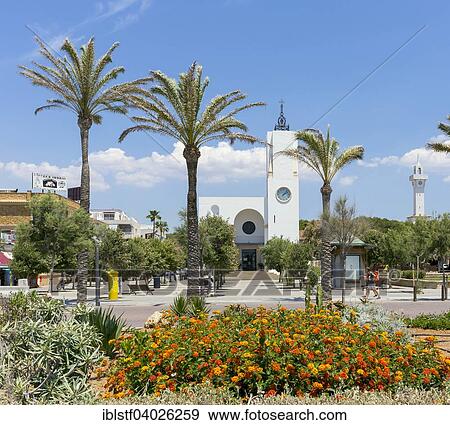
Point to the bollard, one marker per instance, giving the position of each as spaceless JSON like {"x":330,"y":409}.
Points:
{"x":113,"y":281}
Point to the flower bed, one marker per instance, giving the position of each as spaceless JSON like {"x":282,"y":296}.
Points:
{"x":250,"y":351}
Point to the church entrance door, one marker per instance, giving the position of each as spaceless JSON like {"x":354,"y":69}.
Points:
{"x":248,"y":259}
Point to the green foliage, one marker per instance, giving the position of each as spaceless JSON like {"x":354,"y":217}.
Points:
{"x":190,"y":307}
{"x":409,"y":274}
{"x":108,"y":325}
{"x":296,"y":258}
{"x":273,"y":252}
{"x":180,"y":306}
{"x":113,"y":248}
{"x":216,"y":238}
{"x":154,"y":256}
{"x":45,"y":354}
{"x":217,"y":246}
{"x":79,"y":82}
{"x":430,"y":321}
{"x":198,"y":307}
{"x":52,"y":239}
{"x":313,"y":276}
{"x":30,"y":306}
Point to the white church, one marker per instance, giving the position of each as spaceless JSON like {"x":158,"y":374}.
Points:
{"x":258,"y":219}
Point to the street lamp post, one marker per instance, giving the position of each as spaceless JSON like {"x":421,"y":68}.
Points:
{"x":97,"y":271}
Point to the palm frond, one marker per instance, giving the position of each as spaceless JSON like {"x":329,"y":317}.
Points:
{"x":439,"y":147}
{"x":81,"y":83}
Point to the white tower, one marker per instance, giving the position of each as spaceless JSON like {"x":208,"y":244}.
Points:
{"x":418,"y":180}
{"x":282,"y":199}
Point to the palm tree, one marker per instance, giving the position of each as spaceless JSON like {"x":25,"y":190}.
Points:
{"x":174,"y":108}
{"x":163,"y":228}
{"x":323,"y":156}
{"x":153,"y":216}
{"x":441,"y":146}
{"x":82,"y":86}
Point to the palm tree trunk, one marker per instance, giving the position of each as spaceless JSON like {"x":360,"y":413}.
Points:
{"x":325,"y":252}
{"x":193,"y":262}
{"x":85,"y":200}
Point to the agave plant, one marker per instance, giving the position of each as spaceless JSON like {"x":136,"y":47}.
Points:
{"x":107,"y":324}
{"x":180,"y":306}
{"x":198,"y":307}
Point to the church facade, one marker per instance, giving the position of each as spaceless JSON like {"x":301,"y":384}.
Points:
{"x":258,"y":219}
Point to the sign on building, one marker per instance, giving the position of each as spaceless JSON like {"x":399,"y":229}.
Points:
{"x":47,"y":182}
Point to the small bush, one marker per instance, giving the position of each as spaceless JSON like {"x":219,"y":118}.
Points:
{"x":272,"y":352}
{"x":29,"y":305}
{"x":42,"y":360}
{"x":430,"y":321}
{"x":376,"y":317}
{"x":45,"y":355}
{"x":408,"y":274}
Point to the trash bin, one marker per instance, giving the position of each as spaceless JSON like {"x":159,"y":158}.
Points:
{"x":157,"y":282}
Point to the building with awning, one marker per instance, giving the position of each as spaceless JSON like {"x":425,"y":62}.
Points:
{"x":5,"y":271}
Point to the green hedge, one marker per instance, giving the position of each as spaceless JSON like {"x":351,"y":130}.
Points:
{"x":408,"y":274}
{"x":430,"y":321}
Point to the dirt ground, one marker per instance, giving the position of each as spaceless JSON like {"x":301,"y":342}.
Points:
{"x":443,"y":338}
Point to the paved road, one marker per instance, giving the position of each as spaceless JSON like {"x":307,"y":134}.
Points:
{"x":136,"y":315}
{"x":260,"y":291}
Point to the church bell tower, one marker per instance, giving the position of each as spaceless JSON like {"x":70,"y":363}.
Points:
{"x":282,"y":186}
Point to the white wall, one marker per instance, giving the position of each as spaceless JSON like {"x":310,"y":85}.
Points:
{"x":281,"y":219}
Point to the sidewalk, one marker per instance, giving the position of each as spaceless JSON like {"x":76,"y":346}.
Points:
{"x":137,"y":308}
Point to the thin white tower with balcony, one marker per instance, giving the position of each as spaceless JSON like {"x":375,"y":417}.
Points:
{"x":418,"y":179}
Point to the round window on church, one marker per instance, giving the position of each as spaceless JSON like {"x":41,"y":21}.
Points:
{"x":248,"y":227}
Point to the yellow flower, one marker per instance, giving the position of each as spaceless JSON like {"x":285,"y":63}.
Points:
{"x":247,"y":355}
{"x":360,"y":372}
{"x":154,"y":345}
{"x":144,"y":368}
{"x":235,"y":379}
{"x":243,"y":343}
{"x":217,"y":371}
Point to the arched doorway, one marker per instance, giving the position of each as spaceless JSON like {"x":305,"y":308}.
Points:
{"x":249,"y":237}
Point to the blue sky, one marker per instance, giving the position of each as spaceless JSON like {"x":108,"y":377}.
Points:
{"x":310,"y":53}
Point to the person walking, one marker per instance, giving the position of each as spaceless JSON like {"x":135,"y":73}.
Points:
{"x":371,"y":285}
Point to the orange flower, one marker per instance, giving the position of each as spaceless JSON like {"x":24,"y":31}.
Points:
{"x":276,"y":367}
{"x":317,"y":385}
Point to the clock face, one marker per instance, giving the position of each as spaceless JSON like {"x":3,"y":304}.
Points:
{"x":283,"y":194}
{"x":420,"y":182}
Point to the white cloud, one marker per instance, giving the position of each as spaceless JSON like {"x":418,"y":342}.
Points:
{"x":433,"y":162}
{"x":347,"y":180}
{"x":23,"y":171}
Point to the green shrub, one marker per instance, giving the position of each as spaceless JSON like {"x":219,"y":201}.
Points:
{"x":45,"y":354}
{"x":377,"y":317}
{"x":408,"y":274}
{"x":430,"y":321}
{"x":41,"y":360}
{"x":30,"y":305}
